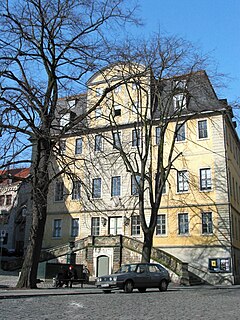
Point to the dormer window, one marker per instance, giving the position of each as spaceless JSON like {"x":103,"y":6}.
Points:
{"x":64,"y":120}
{"x":179,"y":101}
{"x":117,"y":110}
{"x":181,"y":84}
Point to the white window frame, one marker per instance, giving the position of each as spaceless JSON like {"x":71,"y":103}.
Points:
{"x":95,"y":226}
{"x":161,"y":226}
{"x":202,"y":132}
{"x":182,"y":181}
{"x":205,"y":177}
{"x":98,"y":112}
{"x":179,"y":101}
{"x":183,"y":223}
{"x":207,"y":223}
{"x":157,"y":135}
{"x":135,"y":225}
{"x":117,"y":110}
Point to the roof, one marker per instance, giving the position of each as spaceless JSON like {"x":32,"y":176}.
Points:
{"x":14,"y":174}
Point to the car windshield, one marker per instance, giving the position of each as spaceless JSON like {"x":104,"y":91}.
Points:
{"x":127,"y":268}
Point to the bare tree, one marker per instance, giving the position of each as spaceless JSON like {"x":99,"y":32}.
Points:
{"x":47,"y":48}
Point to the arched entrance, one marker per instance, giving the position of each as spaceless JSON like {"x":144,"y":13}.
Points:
{"x":102,"y":265}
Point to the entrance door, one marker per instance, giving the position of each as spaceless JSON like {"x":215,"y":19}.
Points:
{"x":115,"y":225}
{"x":102,"y":266}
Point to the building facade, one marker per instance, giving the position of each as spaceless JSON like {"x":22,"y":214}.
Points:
{"x":14,"y":209}
{"x":198,"y":219}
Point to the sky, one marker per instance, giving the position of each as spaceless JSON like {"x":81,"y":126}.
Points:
{"x":212,"y":25}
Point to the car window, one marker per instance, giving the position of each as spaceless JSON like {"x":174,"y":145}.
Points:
{"x":153,"y":268}
{"x":140,"y":268}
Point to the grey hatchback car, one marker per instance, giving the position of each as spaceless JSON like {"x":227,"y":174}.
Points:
{"x":135,"y":276}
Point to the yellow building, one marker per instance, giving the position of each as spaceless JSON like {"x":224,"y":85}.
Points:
{"x":198,"y":220}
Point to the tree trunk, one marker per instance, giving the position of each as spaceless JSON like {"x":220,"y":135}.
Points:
{"x":147,"y":246}
{"x":40,"y":183}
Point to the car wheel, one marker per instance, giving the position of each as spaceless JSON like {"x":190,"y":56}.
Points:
{"x":128,"y":286}
{"x":142,"y":290}
{"x":163,"y":285}
{"x":107,"y":291}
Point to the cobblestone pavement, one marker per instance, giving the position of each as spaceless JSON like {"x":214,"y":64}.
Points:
{"x":200,"y":302}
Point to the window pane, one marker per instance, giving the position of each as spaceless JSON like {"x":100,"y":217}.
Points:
{"x":205,"y":179}
{"x":135,"y":138}
{"x":116,"y":140}
{"x":202,"y":129}
{"x":207,"y":225}
{"x":182,"y":181}
{"x":57,"y":228}
{"x":98,"y":143}
{"x":78,"y":146}
{"x":59,"y":191}
{"x":161,"y":224}
{"x":135,"y":230}
{"x":75,"y":227}
{"x":96,"y":188}
{"x":158,"y":132}
{"x":180,"y":129}
{"x":183,"y":227}
{"x":134,"y":185}
{"x":116,"y":186}
{"x":95,"y":227}
{"x":76,"y":191}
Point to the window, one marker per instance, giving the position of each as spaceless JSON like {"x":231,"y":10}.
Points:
{"x":161,"y":224}
{"x":8,"y":199}
{"x":75,"y":227}
{"x":117,"y":110}
{"x":116,"y":186}
{"x":2,"y":200}
{"x":158,"y":133}
{"x":62,"y":146}
{"x":205,"y":179}
{"x":98,"y":112}
{"x":183,"y":227}
{"x":207,"y":225}
{"x":95,"y":226}
{"x":99,"y":92}
{"x":116,"y":140}
{"x":180,"y":130}
{"x":179,"y":101}
{"x":134,"y":185}
{"x":96,"y":188}
{"x":57,"y":228}
{"x":135,"y":225}
{"x":219,"y":265}
{"x":78,"y":146}
{"x":135,"y":107}
{"x":76,"y":190}
{"x":135,"y":138}
{"x":182,"y":181}
{"x":59,"y":191}
{"x":118,"y":89}
{"x":64,"y":120}
{"x":98,"y":143}
{"x":202,"y":129}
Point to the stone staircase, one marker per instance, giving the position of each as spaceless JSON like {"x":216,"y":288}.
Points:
{"x":174,"y":265}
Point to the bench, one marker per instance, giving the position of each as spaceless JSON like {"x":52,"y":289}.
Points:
{"x":69,"y":282}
